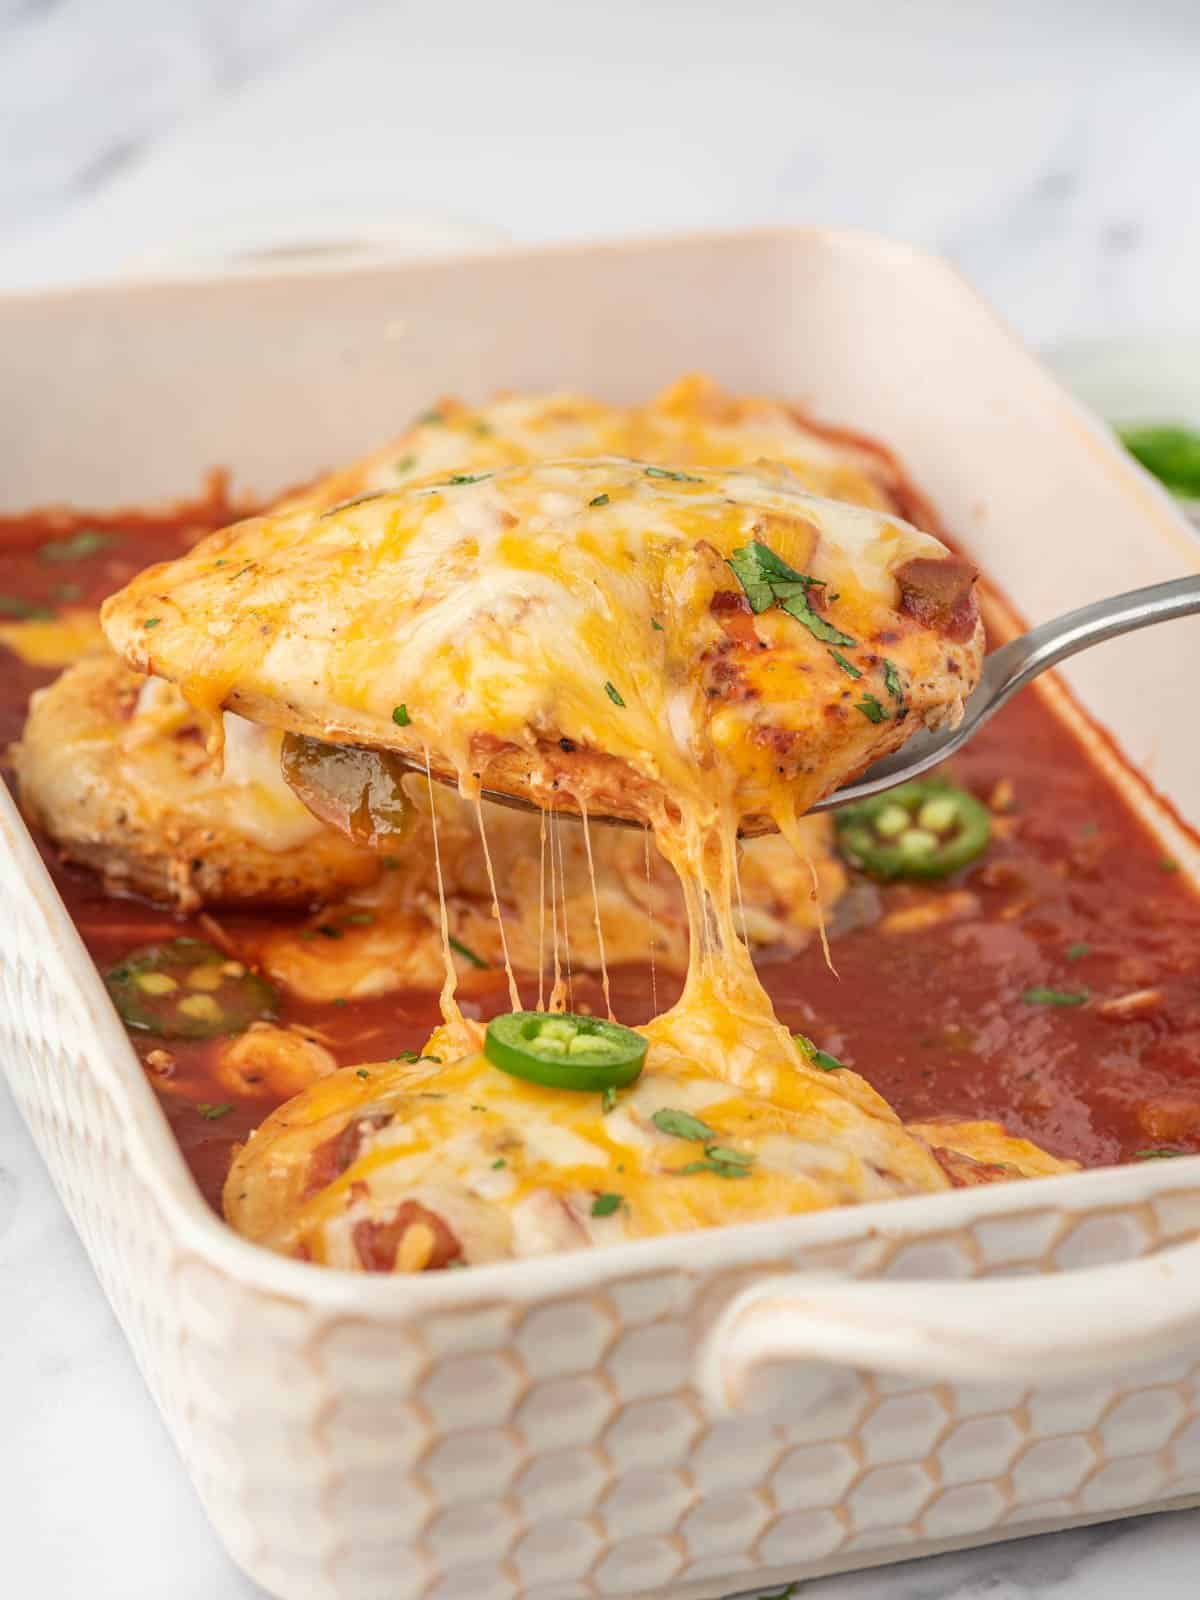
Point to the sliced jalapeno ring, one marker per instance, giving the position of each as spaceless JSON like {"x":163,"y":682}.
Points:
{"x":924,"y":829}
{"x":564,"y":1051}
{"x":187,"y":989}
{"x":359,"y":792}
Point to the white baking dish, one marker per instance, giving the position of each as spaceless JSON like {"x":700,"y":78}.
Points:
{"x":686,"y":1412}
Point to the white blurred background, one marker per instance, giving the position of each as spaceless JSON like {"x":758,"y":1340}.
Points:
{"x":1048,"y":146}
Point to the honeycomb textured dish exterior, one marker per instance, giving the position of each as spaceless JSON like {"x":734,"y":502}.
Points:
{"x":554,"y":1444}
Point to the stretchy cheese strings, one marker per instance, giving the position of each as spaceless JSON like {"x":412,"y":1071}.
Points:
{"x":541,"y":999}
{"x":449,"y":1003}
{"x":562,"y":889}
{"x":514,"y":994}
{"x":653,"y":924}
{"x":587,"y":845}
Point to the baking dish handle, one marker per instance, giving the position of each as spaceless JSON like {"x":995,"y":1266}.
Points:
{"x":1039,"y":1329}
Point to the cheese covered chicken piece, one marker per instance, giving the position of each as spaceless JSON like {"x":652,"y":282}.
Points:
{"x":691,"y":423}
{"x":113,"y":766}
{"x":598,"y":635}
{"x":406,"y":1167}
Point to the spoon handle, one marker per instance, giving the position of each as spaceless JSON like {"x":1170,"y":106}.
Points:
{"x":1012,"y":666}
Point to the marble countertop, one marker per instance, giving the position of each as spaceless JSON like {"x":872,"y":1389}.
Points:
{"x":1049,"y":150}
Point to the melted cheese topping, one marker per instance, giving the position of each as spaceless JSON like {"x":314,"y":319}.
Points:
{"x":514,"y":1169}
{"x":54,"y":641}
{"x":692,"y":423}
{"x":510,"y":612}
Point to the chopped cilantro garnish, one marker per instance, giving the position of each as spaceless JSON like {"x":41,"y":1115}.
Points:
{"x":342,"y":505}
{"x":614,"y":694}
{"x":405,"y":464}
{"x":1075,"y":952}
{"x":78,"y":546}
{"x":721,"y":1169}
{"x":1168,"y":864}
{"x":728,"y":1156}
{"x":329,"y":930}
{"x":796,"y":605}
{"x":361,"y":919}
{"x":211,"y":1113}
{"x":608,"y":1099}
{"x":467,"y":953}
{"x":432,"y":416}
{"x":411,"y":1055}
{"x":761,"y":572}
{"x":605,"y":1204}
{"x":498,"y":1163}
{"x":871,"y":708}
{"x":681,"y":1124}
{"x":480,"y":427}
{"x":600,"y":500}
{"x":362,"y":1073}
{"x":819,"y":1058}
{"x":1157,"y":1153}
{"x":151,"y":622}
{"x":891,"y":681}
{"x":768,"y":580}
{"x":1039,"y":996}
{"x":656,"y":624}
{"x":400,"y":716}
{"x":846,"y":666}
{"x":675,"y":477}
{"x":468,"y":477}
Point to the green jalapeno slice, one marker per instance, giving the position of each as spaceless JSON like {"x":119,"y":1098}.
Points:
{"x":564,"y":1051}
{"x":187,"y":989}
{"x":924,"y":829}
{"x":358,"y":792}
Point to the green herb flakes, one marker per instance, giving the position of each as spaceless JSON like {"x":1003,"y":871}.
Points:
{"x":467,"y":953}
{"x":600,"y":500}
{"x":212,"y":1113}
{"x":1039,"y":996}
{"x":400,"y":716}
{"x":151,"y":622}
{"x":846,"y":666}
{"x":819,"y":1058}
{"x":675,"y":477}
{"x":871,"y":708}
{"x":608,"y":1100}
{"x":362,"y":1073}
{"x":1076,"y":952}
{"x":1158,"y":1153}
{"x":614,"y":694}
{"x":891,"y":681}
{"x":720,"y":1169}
{"x":682,"y":1125}
{"x":796,"y":605}
{"x":404,"y":465}
{"x":605,"y":1204}
{"x":77,"y":546}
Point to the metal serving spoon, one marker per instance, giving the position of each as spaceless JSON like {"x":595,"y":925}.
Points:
{"x":1005,"y":671}
{"x":1017,"y":663}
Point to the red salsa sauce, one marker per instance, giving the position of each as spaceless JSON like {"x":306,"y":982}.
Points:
{"x":933,"y":995}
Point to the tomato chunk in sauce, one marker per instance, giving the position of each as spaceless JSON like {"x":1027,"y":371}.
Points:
{"x":1052,"y":984}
